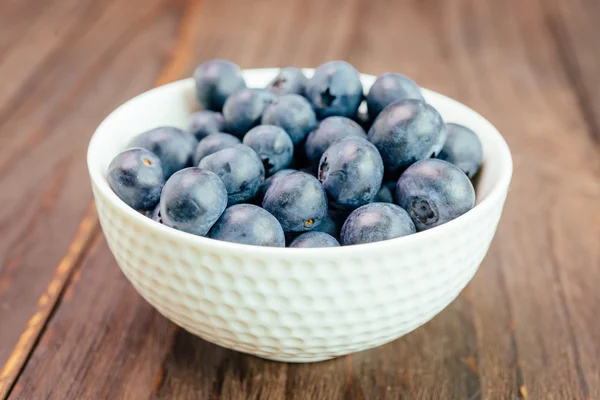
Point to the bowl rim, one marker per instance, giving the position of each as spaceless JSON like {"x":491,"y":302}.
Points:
{"x":496,"y":194}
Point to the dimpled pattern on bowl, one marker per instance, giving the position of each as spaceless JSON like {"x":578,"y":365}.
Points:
{"x":297,"y":305}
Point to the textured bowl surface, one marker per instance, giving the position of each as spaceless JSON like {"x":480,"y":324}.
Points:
{"x":297,"y":305}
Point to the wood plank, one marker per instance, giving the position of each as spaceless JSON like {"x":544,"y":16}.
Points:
{"x":114,"y":353}
{"x":91,"y":75}
{"x":573,"y":24}
{"x":525,"y":326}
{"x":47,"y":302}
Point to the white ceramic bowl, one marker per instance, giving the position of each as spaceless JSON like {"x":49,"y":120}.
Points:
{"x":297,"y":305}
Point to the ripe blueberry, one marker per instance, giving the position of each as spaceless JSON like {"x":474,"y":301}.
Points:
{"x":406,"y":131}
{"x":241,"y":170}
{"x":216,"y":80}
{"x":248,"y":224}
{"x":388,"y":88}
{"x":289,"y":80}
{"x":136,"y":176}
{"x":462,"y":149}
{"x":243,"y":110}
{"x":206,"y":122}
{"x":213,"y":143}
{"x":192,"y":200}
{"x":375,"y":222}
{"x":328,"y":131}
{"x":174,"y":147}
{"x":335,"y":89}
{"x":315,"y":239}
{"x":273,"y":145}
{"x":294,"y":114}
{"x":298,"y":201}
{"x":351,"y":171}
{"x":434,"y":192}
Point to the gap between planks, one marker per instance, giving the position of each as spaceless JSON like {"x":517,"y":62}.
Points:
{"x":48,"y":301}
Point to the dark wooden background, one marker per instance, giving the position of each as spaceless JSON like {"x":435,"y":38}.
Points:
{"x":72,"y":327}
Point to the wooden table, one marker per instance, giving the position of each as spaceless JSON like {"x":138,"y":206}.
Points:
{"x":72,"y":327}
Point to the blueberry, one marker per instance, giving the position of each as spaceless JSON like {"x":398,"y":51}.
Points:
{"x":248,"y":224}
{"x":384,"y":195}
{"x":273,"y":145}
{"x":434,"y":192}
{"x":241,"y":170}
{"x":271,"y":180}
{"x":462,"y":149}
{"x":315,"y":239}
{"x":298,"y":201}
{"x":243,"y":110}
{"x":174,"y":147}
{"x":351,"y":171}
{"x":216,"y":80}
{"x":406,"y":131}
{"x":388,"y":88}
{"x":328,"y":131}
{"x":192,"y":200}
{"x":294,"y":114}
{"x":213,"y":143}
{"x":376,"y":222}
{"x":206,"y":122}
{"x":335,"y":89}
{"x":136,"y":177}
{"x":289,"y":80}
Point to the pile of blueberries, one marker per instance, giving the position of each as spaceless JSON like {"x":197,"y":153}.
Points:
{"x":298,"y":163}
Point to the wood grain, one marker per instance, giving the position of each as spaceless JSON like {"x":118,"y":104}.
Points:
{"x":47,"y":302}
{"x":83,"y":80}
{"x":94,"y":367}
{"x":524,"y":328}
